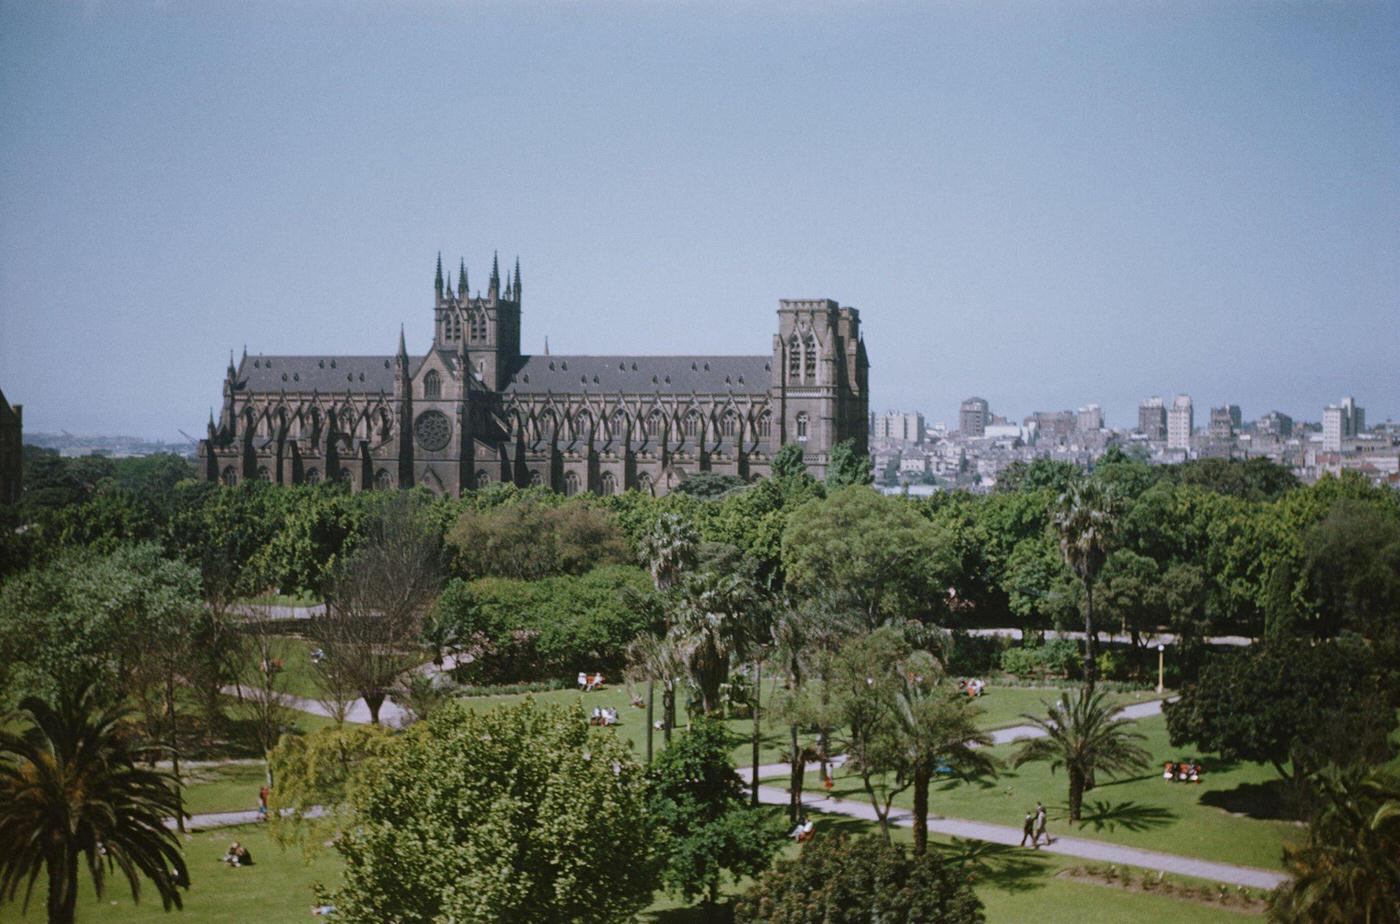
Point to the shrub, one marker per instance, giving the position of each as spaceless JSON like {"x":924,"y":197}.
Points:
{"x":1058,"y":657}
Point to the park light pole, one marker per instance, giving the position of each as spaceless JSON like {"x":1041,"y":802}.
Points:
{"x":1161,"y":665}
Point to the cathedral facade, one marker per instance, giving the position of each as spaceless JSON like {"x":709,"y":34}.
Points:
{"x":475,"y":411}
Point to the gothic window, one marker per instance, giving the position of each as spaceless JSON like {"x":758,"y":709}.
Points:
{"x":483,"y":478}
{"x":691,"y":424}
{"x":347,"y":422}
{"x":729,"y":423}
{"x":535,"y":479}
{"x":433,"y":431}
{"x":382,"y":480}
{"x":263,"y":473}
{"x":477,"y":326}
{"x":765,"y":425}
{"x":432,"y":384}
{"x":607,"y":484}
{"x":545,"y":426}
{"x":312,"y":476}
{"x":229,"y":476}
{"x":809,"y":359}
{"x":570,"y":484}
{"x":644,"y":482}
{"x":655,"y":422}
{"x":802,"y":427}
{"x":619,"y":425}
{"x":583,"y":426}
{"x":456,"y":333}
{"x":794,"y":357}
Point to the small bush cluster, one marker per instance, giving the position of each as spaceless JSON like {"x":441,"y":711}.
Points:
{"x":1213,"y":893}
{"x":1055,"y":658}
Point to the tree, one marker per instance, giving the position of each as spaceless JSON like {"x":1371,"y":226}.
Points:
{"x":711,"y":484}
{"x":520,"y":814}
{"x":530,"y":538}
{"x":714,"y":620}
{"x":70,"y":789}
{"x":1351,"y":562}
{"x":1085,"y":519}
{"x":262,"y":688}
{"x":668,"y":549}
{"x":788,"y":463}
{"x":316,"y":775}
{"x":866,"y":691}
{"x":875,"y":552}
{"x":1083,"y":736}
{"x":839,"y":880}
{"x":846,"y":466}
{"x":1349,"y":868}
{"x":704,"y":827}
{"x":1295,"y":704}
{"x":376,"y":603}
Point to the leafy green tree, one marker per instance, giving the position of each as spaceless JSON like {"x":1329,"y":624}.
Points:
{"x":316,"y":775}
{"x":1037,"y":475}
{"x":716,"y":620}
{"x":710,"y":484}
{"x":1295,"y":704}
{"x":1349,"y":868}
{"x":521,"y":814}
{"x":1082,"y":736}
{"x":838,"y":880}
{"x":705,"y":829}
{"x":530,"y":539}
{"x":788,"y":464}
{"x":72,"y":794}
{"x":866,"y":691}
{"x":876,"y":553}
{"x":1351,"y":563}
{"x":1131,"y":594}
{"x":668,"y":549}
{"x":846,"y":466}
{"x":1085,"y":518}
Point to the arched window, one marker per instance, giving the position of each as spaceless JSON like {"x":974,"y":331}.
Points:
{"x":765,"y":425}
{"x":729,"y":423}
{"x":536,"y":479}
{"x":483,"y":478}
{"x":545,"y":426}
{"x":583,"y":426}
{"x":570,"y":484}
{"x":382,"y":480}
{"x":655,"y":422}
{"x":456,"y":327}
{"x":607,"y":484}
{"x":347,"y":422}
{"x":644,"y":483}
{"x":476,"y":324}
{"x":432,"y":384}
{"x":794,"y":357}
{"x":264,"y":474}
{"x":809,"y":359}
{"x":690,"y":425}
{"x":229,"y":476}
{"x":802,"y":427}
{"x":312,"y":476}
{"x":619,"y":425}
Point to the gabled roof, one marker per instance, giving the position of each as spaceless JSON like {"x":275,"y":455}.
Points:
{"x":641,"y":374}
{"x":326,"y":374}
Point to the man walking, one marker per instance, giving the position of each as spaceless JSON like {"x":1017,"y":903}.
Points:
{"x":1028,"y":830}
{"x":1040,"y":826}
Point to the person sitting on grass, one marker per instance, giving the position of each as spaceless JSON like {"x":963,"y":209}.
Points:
{"x":582,"y":680}
{"x":1193,"y":772}
{"x":238,"y":855}
{"x":1168,"y":771}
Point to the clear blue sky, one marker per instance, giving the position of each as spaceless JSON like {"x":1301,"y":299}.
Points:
{"x":1045,"y":204}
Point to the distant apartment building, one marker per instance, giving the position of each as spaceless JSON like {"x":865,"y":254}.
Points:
{"x":901,"y":426}
{"x":1181,"y":420}
{"x":1276,"y":424}
{"x":1152,"y":418}
{"x":1054,"y":425}
{"x":1090,"y":418}
{"x":1342,"y":422}
{"x":1224,"y":422}
{"x":1353,"y":417}
{"x":973,"y":417}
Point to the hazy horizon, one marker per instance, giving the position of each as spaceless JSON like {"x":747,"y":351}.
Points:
{"x":1043,"y":206}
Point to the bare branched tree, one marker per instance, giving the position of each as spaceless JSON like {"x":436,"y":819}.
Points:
{"x":376,"y":602}
{"x":262,"y":691}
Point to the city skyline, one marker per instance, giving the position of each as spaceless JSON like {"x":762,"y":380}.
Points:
{"x":1043,"y":207}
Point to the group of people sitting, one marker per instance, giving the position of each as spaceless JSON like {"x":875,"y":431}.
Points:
{"x":972,"y":687}
{"x":1183,"y":771}
{"x":589,"y":682}
{"x":604,"y":716}
{"x":237,"y":855}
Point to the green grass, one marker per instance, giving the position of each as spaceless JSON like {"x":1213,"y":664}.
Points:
{"x":298,"y":676}
{"x":1003,"y":707}
{"x":231,"y":787}
{"x":1206,"y":820}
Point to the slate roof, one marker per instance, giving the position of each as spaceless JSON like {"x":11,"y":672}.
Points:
{"x":641,"y":374}
{"x":326,"y":374}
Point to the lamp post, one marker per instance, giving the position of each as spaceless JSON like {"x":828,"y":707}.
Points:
{"x":1161,"y":666}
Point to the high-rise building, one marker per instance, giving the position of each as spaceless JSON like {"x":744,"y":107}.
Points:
{"x":1181,"y":420}
{"x":1276,"y":424}
{"x":1090,"y":418}
{"x":973,"y":417}
{"x":1353,"y":417}
{"x":901,"y":426}
{"x":1223,"y":424}
{"x":1152,"y":418}
{"x":1334,"y":427}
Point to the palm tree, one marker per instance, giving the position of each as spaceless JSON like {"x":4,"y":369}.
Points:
{"x":70,"y":787}
{"x":1086,"y":519}
{"x":668,"y":548}
{"x":1083,"y":736}
{"x":655,"y":658}
{"x":712,"y":623}
{"x":938,"y":729}
{"x":1349,"y":869}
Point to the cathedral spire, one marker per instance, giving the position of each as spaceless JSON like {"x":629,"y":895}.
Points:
{"x":437,"y":283}
{"x":494,"y":289}
{"x":516,"y":287}
{"x":231,"y":371}
{"x":403,"y":349}
{"x":462,"y":279}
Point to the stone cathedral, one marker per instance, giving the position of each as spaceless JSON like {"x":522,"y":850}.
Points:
{"x":475,"y":411}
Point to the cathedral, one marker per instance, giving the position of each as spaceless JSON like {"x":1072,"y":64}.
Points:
{"x":475,"y":410}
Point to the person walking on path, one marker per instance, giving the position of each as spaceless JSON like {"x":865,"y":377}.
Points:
{"x":1028,"y":830}
{"x":1040,"y":826}
{"x":262,"y":804}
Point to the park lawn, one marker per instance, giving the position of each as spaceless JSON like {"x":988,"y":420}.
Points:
{"x":298,"y":676}
{"x":227,"y":787}
{"x":1205,"y":821}
{"x":1003,"y":707}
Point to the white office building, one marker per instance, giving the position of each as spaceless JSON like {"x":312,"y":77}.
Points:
{"x":1181,"y":421}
